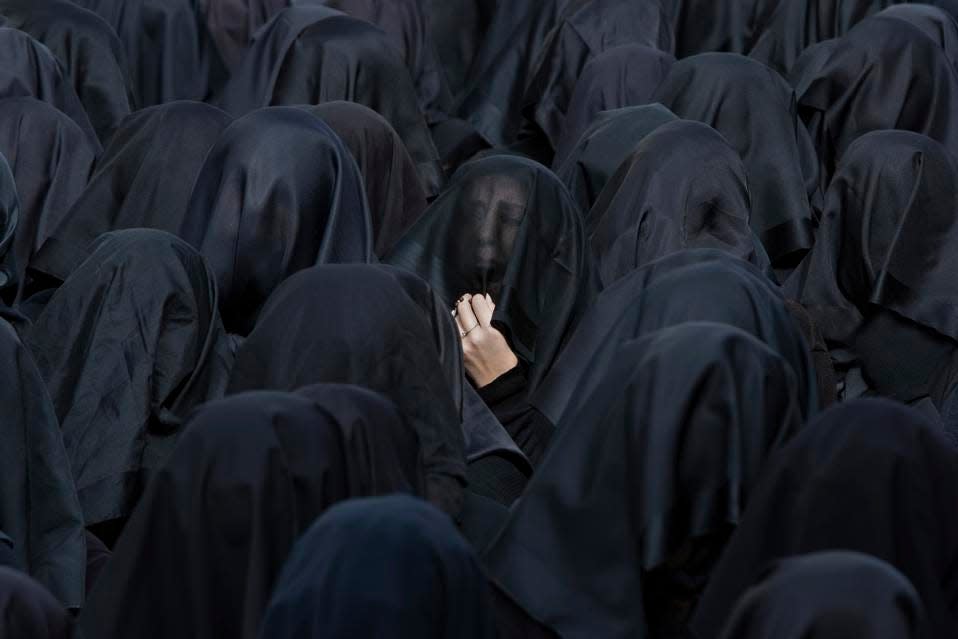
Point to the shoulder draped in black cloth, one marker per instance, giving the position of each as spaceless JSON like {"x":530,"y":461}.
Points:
{"x":39,"y":509}
{"x":27,"y":609}
{"x":89,"y":50}
{"x":582,"y":34}
{"x":355,"y":324}
{"x":491,"y":100}
{"x":279,"y":192}
{"x":692,"y":285}
{"x":795,"y":26}
{"x":202,"y":552}
{"x":31,"y":70}
{"x":313,"y":54}
{"x":404,"y":22}
{"x":746,"y":101}
{"x":620,"y":77}
{"x":142,"y":180}
{"x":169,"y":50}
{"x":377,"y":567}
{"x":828,"y":594}
{"x":858,"y":83}
{"x":683,"y":187}
{"x":128,"y":346}
{"x":936,"y":23}
{"x":879,"y":281}
{"x":507,"y":226}
{"x":618,"y":529}
{"x":395,"y":194}
{"x":870,"y":476}
{"x":601,"y":148}
{"x":51,"y":159}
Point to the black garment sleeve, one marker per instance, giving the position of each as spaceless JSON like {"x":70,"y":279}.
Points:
{"x":507,"y":397}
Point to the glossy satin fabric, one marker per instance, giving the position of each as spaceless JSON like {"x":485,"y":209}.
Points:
{"x":279,"y":192}
{"x":232,"y":24}
{"x":683,"y":187}
{"x":828,"y":594}
{"x":887,"y":238}
{"x":395,"y":195}
{"x":318,"y":328}
{"x":89,"y":50}
{"x":33,"y":71}
{"x":145,"y":304}
{"x":603,"y":147}
{"x":203,"y":551}
{"x":506,"y":226}
{"x":51,"y":160}
{"x":387,"y":566}
{"x":861,"y":82}
{"x":28,"y":610}
{"x":404,"y":22}
{"x":143,"y":180}
{"x":746,"y":101}
{"x":619,"y":77}
{"x":666,"y":448}
{"x":868,"y":476}
{"x":313,"y":54}
{"x":795,"y":26}
{"x":39,"y":509}
{"x":169,"y":50}
{"x":585,"y":32}
{"x":693,"y":285}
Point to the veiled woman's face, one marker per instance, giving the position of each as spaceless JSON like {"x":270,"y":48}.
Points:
{"x":494,"y":207}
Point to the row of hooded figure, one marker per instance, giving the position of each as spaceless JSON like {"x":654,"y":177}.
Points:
{"x":580,"y":318}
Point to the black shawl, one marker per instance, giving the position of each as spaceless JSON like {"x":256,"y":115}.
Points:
{"x":661,"y":453}
{"x":128,"y":346}
{"x":395,"y":194}
{"x":202,"y":552}
{"x":621,"y":77}
{"x":31,"y":70}
{"x":869,"y":476}
{"x":604,"y":146}
{"x":51,"y":160}
{"x":404,"y":22}
{"x":884,"y":74}
{"x":695,"y":285}
{"x":755,"y":109}
{"x":596,"y":26}
{"x":506,"y":226}
{"x":39,"y":509}
{"x":879,"y":283}
{"x":10,"y":270}
{"x":89,"y":50}
{"x":381,"y":567}
{"x":828,"y":594}
{"x":279,"y":192}
{"x":795,"y":26}
{"x":682,"y":187}
{"x":143,"y":180}
{"x":232,"y":23}
{"x":355,"y":324}
{"x":312,"y":54}
{"x":170,"y":52}
{"x":934,"y":22}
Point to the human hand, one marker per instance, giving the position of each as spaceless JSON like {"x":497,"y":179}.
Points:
{"x":486,"y":353}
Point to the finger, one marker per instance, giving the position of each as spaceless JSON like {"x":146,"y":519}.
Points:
{"x":491,"y":303}
{"x":466,"y":318}
{"x":482,"y":310}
